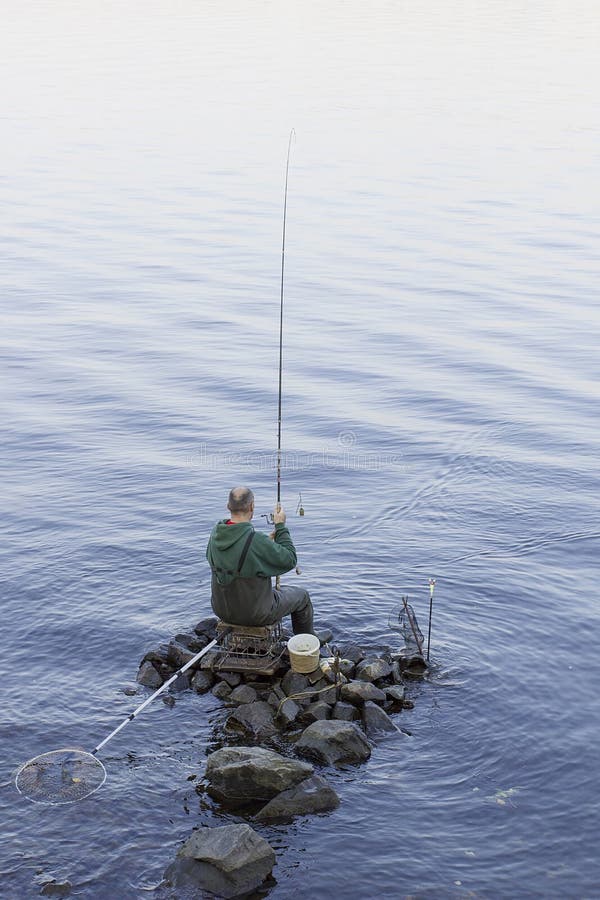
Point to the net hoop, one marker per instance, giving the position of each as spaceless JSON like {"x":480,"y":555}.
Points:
{"x":60,"y":776}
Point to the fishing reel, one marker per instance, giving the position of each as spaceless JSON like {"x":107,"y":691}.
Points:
{"x":299,"y":512}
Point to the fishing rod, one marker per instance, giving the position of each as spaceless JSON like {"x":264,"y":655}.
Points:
{"x":287,"y":169}
{"x":285,"y":193}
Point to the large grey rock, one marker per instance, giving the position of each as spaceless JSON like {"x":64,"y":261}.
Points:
{"x":333,"y":742}
{"x":237,"y":774}
{"x":372,"y":669}
{"x":221,"y":690}
{"x":227,"y":861}
{"x":375,"y":719}
{"x":243,"y":693}
{"x":359,"y":692}
{"x":313,"y":795}
{"x":254,"y":720}
{"x":148,"y":676}
{"x":202,"y":681}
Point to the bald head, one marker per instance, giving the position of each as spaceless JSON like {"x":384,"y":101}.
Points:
{"x":241,"y":500}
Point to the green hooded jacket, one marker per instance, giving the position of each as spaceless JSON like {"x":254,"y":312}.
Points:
{"x":245,"y":596}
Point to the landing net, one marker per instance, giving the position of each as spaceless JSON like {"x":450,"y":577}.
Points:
{"x":60,"y":776}
{"x":404,"y":620}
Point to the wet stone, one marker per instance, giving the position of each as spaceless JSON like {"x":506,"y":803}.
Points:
{"x":294,"y":682}
{"x":353,"y":652}
{"x":313,"y":795}
{"x":344,"y":711}
{"x":396,"y":673}
{"x":243,"y":693}
{"x":287,"y":713}
{"x":148,"y":676}
{"x":325,"y":635}
{"x":395,"y":692}
{"x":209,"y":659}
{"x":56,"y":888}
{"x":316,"y":712}
{"x":159,"y":655}
{"x":193,"y":642}
{"x":179,"y":655}
{"x":334,"y":743}
{"x":375,"y":720}
{"x":202,"y":681}
{"x":255,"y":720}
{"x":347,"y":667}
{"x":228,"y":861}
{"x":324,"y":691}
{"x":181,"y":683}
{"x":207,"y":627}
{"x":373,"y":669}
{"x":243,"y":774}
{"x":232,"y":678}
{"x":359,"y":692}
{"x":221,"y":690}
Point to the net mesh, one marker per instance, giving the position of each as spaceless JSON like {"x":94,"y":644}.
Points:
{"x":405,"y":621}
{"x":60,"y":776}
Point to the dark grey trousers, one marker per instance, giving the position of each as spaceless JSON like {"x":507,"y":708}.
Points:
{"x":294,"y":600}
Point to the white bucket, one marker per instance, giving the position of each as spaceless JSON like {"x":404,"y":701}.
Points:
{"x":304,"y":652}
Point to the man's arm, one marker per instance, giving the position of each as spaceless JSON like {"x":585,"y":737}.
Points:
{"x":277,"y":552}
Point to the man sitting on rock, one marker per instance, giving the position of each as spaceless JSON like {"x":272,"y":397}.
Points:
{"x":243,"y":562}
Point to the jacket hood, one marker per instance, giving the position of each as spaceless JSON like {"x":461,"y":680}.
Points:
{"x":225,"y":536}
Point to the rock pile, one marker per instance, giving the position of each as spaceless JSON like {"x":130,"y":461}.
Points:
{"x":328,"y":717}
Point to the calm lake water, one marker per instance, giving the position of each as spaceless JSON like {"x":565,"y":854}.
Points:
{"x":440,"y":414}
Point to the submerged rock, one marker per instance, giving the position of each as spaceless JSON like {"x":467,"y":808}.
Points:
{"x":313,"y":795}
{"x":359,"y":692}
{"x":244,"y":774}
{"x":255,"y":720}
{"x":375,"y":719}
{"x":228,"y":861}
{"x":334,"y":742}
{"x":56,"y":888}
